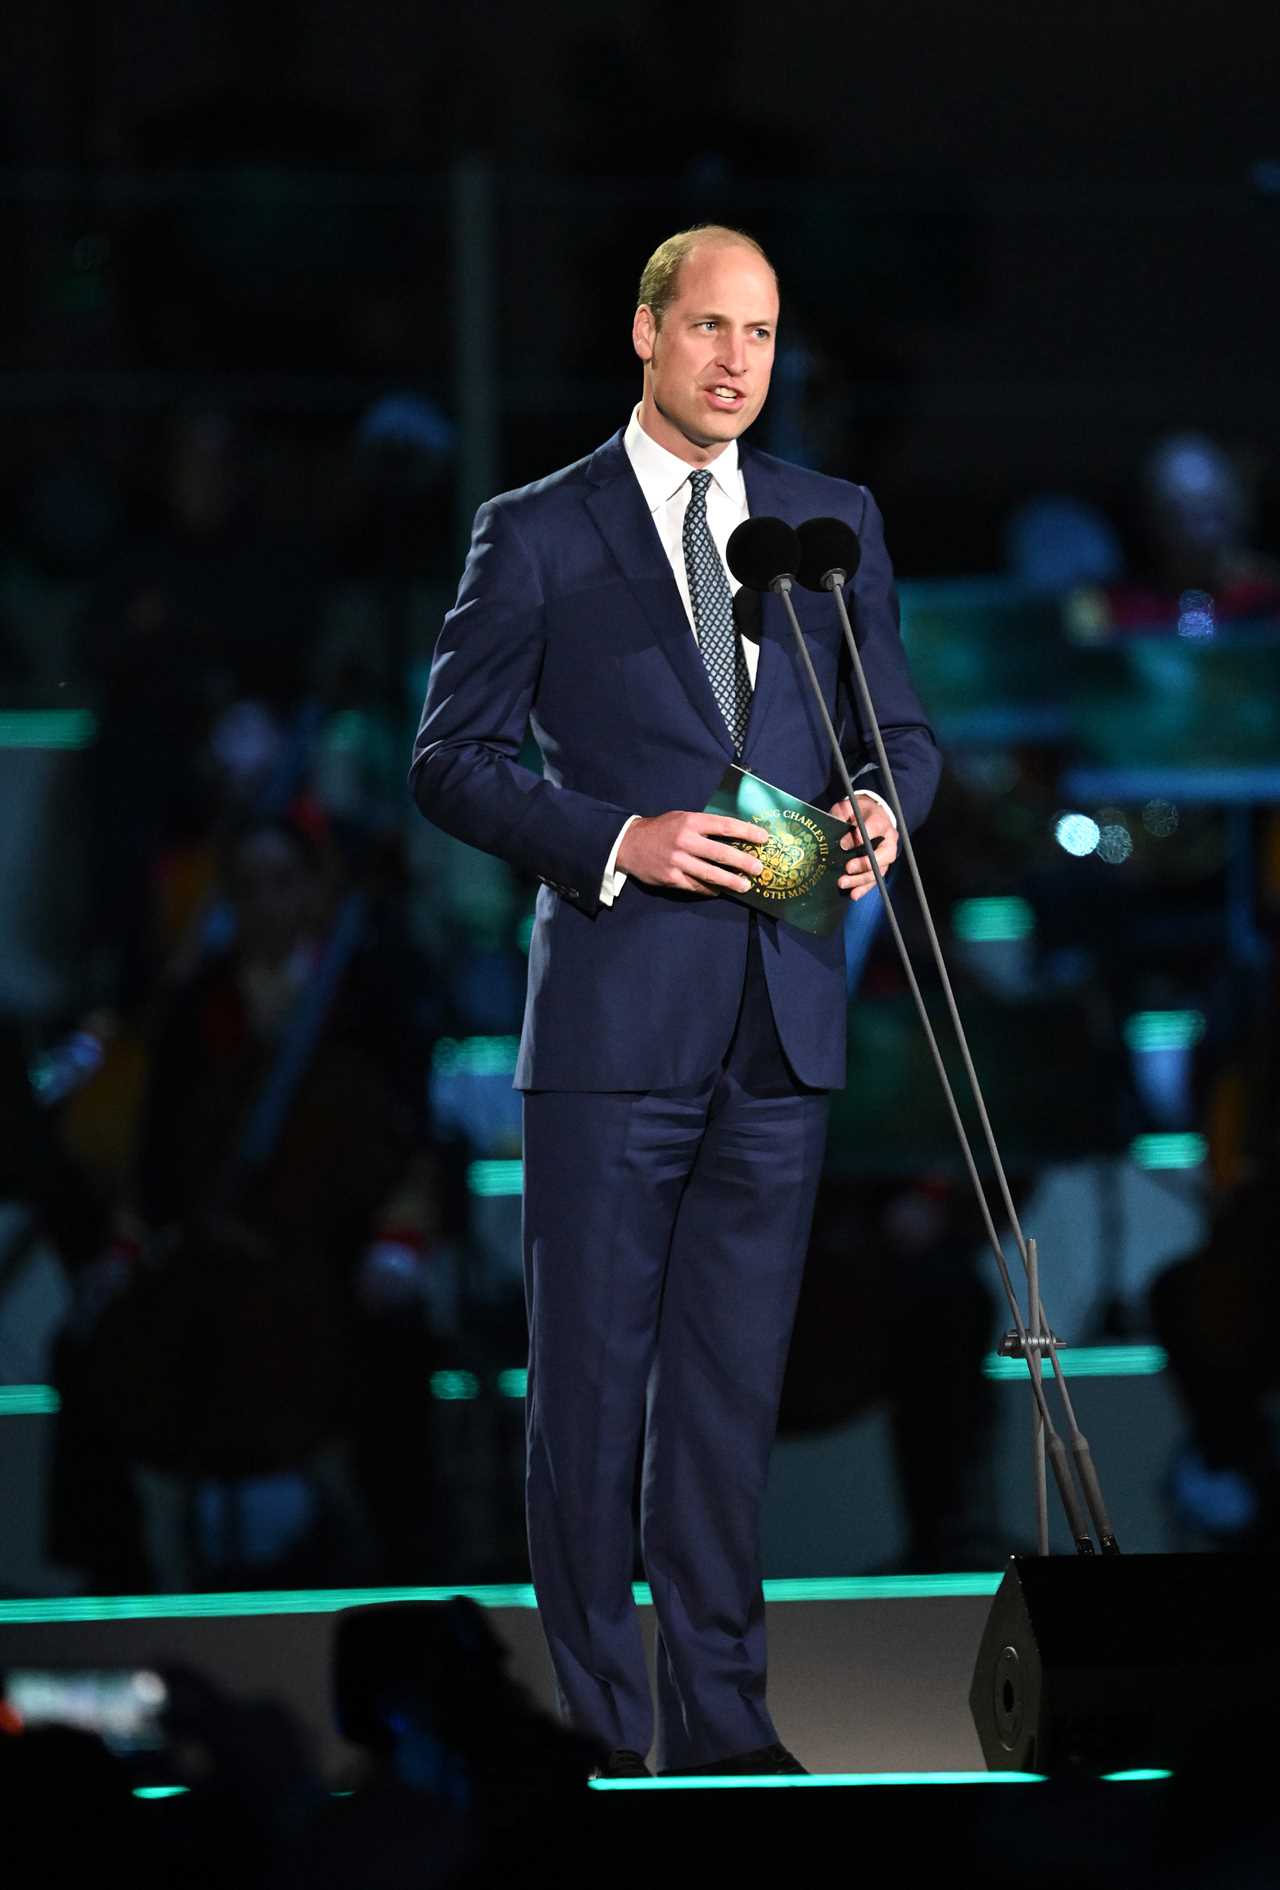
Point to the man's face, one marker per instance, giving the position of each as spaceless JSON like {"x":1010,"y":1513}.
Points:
{"x":707,"y":366}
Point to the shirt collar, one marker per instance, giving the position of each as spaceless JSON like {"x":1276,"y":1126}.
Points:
{"x":661,"y":473}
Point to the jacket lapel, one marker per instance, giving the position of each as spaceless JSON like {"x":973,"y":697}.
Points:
{"x":617,"y":506}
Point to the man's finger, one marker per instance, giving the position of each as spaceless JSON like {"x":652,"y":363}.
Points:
{"x":733,"y":859}
{"x":723,"y":827}
{"x":852,"y":837}
{"x":731,"y":879}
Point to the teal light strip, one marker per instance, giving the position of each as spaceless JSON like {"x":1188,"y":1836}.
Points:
{"x":451,"y":1385}
{"x":249,"y":1602}
{"x":28,"y":1400}
{"x":727,"y":1782}
{"x":771,"y":1783}
{"x":1088,"y":1361}
{"x":873,"y":1587}
{"x":982,"y":921}
{"x":47,"y":728}
{"x":787,"y":1782}
{"x":1168,"y":1151}
{"x":1079,"y":1361}
{"x":475,"y":1056}
{"x":1164,"y":1030}
{"x":495,"y":1178}
{"x":497,"y":1595}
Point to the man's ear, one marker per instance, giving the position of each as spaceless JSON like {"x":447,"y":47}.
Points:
{"x":644,"y":331}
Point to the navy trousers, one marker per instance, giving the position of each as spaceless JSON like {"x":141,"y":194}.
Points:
{"x":665,"y":1235}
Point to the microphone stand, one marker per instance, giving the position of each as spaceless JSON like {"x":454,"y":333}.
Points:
{"x":1028,"y":1344}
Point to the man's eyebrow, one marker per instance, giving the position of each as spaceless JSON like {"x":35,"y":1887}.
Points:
{"x":715,"y":315}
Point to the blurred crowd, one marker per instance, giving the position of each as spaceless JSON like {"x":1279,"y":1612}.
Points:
{"x":223,"y":1118}
{"x":240,"y":978}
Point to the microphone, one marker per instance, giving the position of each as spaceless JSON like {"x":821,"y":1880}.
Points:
{"x":747,"y":614}
{"x":829,"y":553}
{"x":829,"y":556}
{"x":764,"y":554}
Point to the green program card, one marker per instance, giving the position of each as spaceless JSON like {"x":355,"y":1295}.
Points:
{"x":802,"y":858}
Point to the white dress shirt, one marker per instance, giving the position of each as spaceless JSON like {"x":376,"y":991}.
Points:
{"x":664,"y":481}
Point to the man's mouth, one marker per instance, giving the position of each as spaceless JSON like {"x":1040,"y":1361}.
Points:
{"x":725,"y":396}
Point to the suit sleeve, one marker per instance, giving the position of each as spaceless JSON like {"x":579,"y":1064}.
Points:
{"x":466,"y":776}
{"x":913,"y":755}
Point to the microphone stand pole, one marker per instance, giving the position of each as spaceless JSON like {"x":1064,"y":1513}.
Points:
{"x":1044,"y":1339}
{"x":1035,"y":1365}
{"x":1028,"y":1342}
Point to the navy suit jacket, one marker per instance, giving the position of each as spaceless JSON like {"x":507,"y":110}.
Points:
{"x":568,"y":620}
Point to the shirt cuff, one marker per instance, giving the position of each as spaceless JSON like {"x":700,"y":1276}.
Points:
{"x":870,"y":795}
{"x":613,"y":881}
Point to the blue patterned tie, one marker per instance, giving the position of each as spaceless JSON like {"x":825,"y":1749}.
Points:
{"x":712,"y":603}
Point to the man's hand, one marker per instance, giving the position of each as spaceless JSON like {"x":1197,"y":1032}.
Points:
{"x":858,"y":879}
{"x":690,"y":852}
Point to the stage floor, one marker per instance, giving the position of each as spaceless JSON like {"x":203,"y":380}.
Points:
{"x":869,"y":1686}
{"x":865,"y":1675}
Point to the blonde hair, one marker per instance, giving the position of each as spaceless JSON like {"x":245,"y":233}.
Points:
{"x":660,"y":277}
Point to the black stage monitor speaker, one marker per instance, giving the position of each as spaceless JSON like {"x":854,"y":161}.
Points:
{"x":1119,"y":1663}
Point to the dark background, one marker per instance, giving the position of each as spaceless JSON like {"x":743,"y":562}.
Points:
{"x":287,"y":292}
{"x":1028,"y":239}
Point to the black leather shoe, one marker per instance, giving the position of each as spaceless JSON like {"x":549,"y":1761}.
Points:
{"x":765,"y":1759}
{"x":622,"y":1763}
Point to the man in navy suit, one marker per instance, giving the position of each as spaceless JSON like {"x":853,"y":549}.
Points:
{"x":677,"y":1047}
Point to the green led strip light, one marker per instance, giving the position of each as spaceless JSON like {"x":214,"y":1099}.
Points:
{"x":487,"y":1179}
{"x":453,"y":1385}
{"x":497,"y":1595}
{"x":1168,"y":1151}
{"x":28,"y":1400}
{"x":721,"y":1783}
{"x":986,"y":921}
{"x":728,"y":1782}
{"x":450,"y":1386}
{"x":1164,"y":1030}
{"x":1088,"y":1361}
{"x":788,"y":1782}
{"x":47,"y":728}
{"x":475,"y":1056}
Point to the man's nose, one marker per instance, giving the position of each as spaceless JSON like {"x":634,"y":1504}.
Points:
{"x":733,"y":354}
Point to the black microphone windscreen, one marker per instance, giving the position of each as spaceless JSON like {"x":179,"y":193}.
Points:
{"x":826,"y":544}
{"x":747,"y":614}
{"x":761,"y":551}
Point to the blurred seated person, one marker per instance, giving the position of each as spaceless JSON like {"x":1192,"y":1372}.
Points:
{"x":1201,"y":574}
{"x":288,"y":1208}
{"x":1215,"y":1313}
{"x":204,"y":603}
{"x":1054,"y":542}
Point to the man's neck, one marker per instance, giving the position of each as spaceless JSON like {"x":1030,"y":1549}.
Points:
{"x":664,"y":433}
